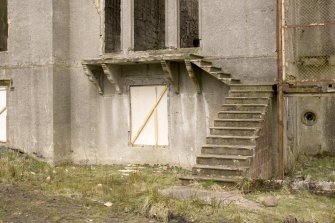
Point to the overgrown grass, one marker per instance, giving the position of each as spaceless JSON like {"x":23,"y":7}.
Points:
{"x":137,"y":192}
{"x":316,"y":168}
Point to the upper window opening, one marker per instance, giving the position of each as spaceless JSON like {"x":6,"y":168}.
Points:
{"x":112,"y":26}
{"x":189,"y":23}
{"x":149,"y":25}
{"x":3,"y":25}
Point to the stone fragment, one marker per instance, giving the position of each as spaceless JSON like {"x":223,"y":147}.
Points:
{"x":108,"y":204}
{"x":270,"y":201}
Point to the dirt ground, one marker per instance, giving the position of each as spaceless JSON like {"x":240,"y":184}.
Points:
{"x":18,"y":205}
{"x":33,"y":191}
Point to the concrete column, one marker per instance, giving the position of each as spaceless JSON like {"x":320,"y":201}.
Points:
{"x":171,"y":23}
{"x":127,"y":36}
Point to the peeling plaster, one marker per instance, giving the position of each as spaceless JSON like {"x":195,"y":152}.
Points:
{"x":97,"y":4}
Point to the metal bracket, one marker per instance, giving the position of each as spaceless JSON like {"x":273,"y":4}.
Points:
{"x":96,"y":80}
{"x":113,"y":75}
{"x":193,"y":75}
{"x":171,"y":72}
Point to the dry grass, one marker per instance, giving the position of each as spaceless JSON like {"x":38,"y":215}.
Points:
{"x":137,"y":192}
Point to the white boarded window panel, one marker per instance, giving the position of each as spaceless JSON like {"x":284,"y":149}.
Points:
{"x":3,"y":116}
{"x":149,"y":129}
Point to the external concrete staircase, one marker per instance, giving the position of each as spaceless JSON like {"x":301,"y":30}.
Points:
{"x":239,"y":142}
{"x":217,"y":72}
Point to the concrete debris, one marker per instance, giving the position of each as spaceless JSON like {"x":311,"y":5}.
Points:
{"x":270,"y":201}
{"x":108,"y":204}
{"x":222,"y":197}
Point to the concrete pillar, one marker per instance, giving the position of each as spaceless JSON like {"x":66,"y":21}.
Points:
{"x":171,"y":23}
{"x":127,"y":36}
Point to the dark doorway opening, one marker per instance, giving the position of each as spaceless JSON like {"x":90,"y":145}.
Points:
{"x":112,"y":26}
{"x":3,"y":25}
{"x":189,"y":23}
{"x":149,"y":25}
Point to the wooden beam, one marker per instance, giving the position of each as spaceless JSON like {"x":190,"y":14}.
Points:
{"x":193,"y":75}
{"x":171,"y":72}
{"x":113,"y":73}
{"x":92,"y":77}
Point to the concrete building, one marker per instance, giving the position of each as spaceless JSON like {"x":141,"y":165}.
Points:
{"x":190,"y":83}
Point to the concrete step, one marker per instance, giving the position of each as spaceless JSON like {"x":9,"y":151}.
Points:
{"x":244,"y":107}
{"x":220,"y":75}
{"x":223,"y":160}
{"x":196,"y":56}
{"x":229,"y":81}
{"x":238,"y":122}
{"x":240,"y":115}
{"x":205,"y":170}
{"x":201,"y":62}
{"x":247,"y":100}
{"x":248,"y":93}
{"x":231,"y":140}
{"x":233,"y":131}
{"x":228,"y":150}
{"x":210,"y":68}
{"x":251,"y":87}
{"x":219,"y":179}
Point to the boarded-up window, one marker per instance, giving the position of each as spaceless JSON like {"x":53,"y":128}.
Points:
{"x":149,"y":24}
{"x":3,"y":25}
{"x":149,"y":115}
{"x":189,"y":23}
{"x":112,"y":26}
{"x":3,"y":115}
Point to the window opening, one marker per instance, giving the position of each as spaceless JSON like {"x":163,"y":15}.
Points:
{"x":149,"y":25}
{"x":3,"y":115}
{"x":112,"y":26}
{"x":189,"y":23}
{"x":3,"y":25}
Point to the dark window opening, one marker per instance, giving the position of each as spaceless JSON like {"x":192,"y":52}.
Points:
{"x":112,"y":26}
{"x":149,"y":25}
{"x":189,"y":23}
{"x":3,"y":25}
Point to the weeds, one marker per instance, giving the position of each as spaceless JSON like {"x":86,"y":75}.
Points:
{"x":138,"y":192}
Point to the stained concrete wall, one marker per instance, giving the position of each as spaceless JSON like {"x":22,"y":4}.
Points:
{"x":36,"y":61}
{"x":100,"y":124}
{"x":309,"y":139}
{"x":242,"y":36}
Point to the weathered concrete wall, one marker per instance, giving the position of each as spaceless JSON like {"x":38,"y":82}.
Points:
{"x":100,"y":124}
{"x":28,"y":62}
{"x":242,"y":36}
{"x":36,"y":61}
{"x":309,"y":139}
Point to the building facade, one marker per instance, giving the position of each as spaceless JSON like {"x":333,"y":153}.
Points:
{"x":144,"y":81}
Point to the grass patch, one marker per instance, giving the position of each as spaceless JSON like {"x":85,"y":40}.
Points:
{"x":315,"y":168}
{"x":135,"y":189}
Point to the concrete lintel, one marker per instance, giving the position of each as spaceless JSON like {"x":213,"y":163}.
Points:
{"x":193,"y":75}
{"x":7,"y":82}
{"x":97,"y":81}
{"x":171,"y":73}
{"x":113,"y":73}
